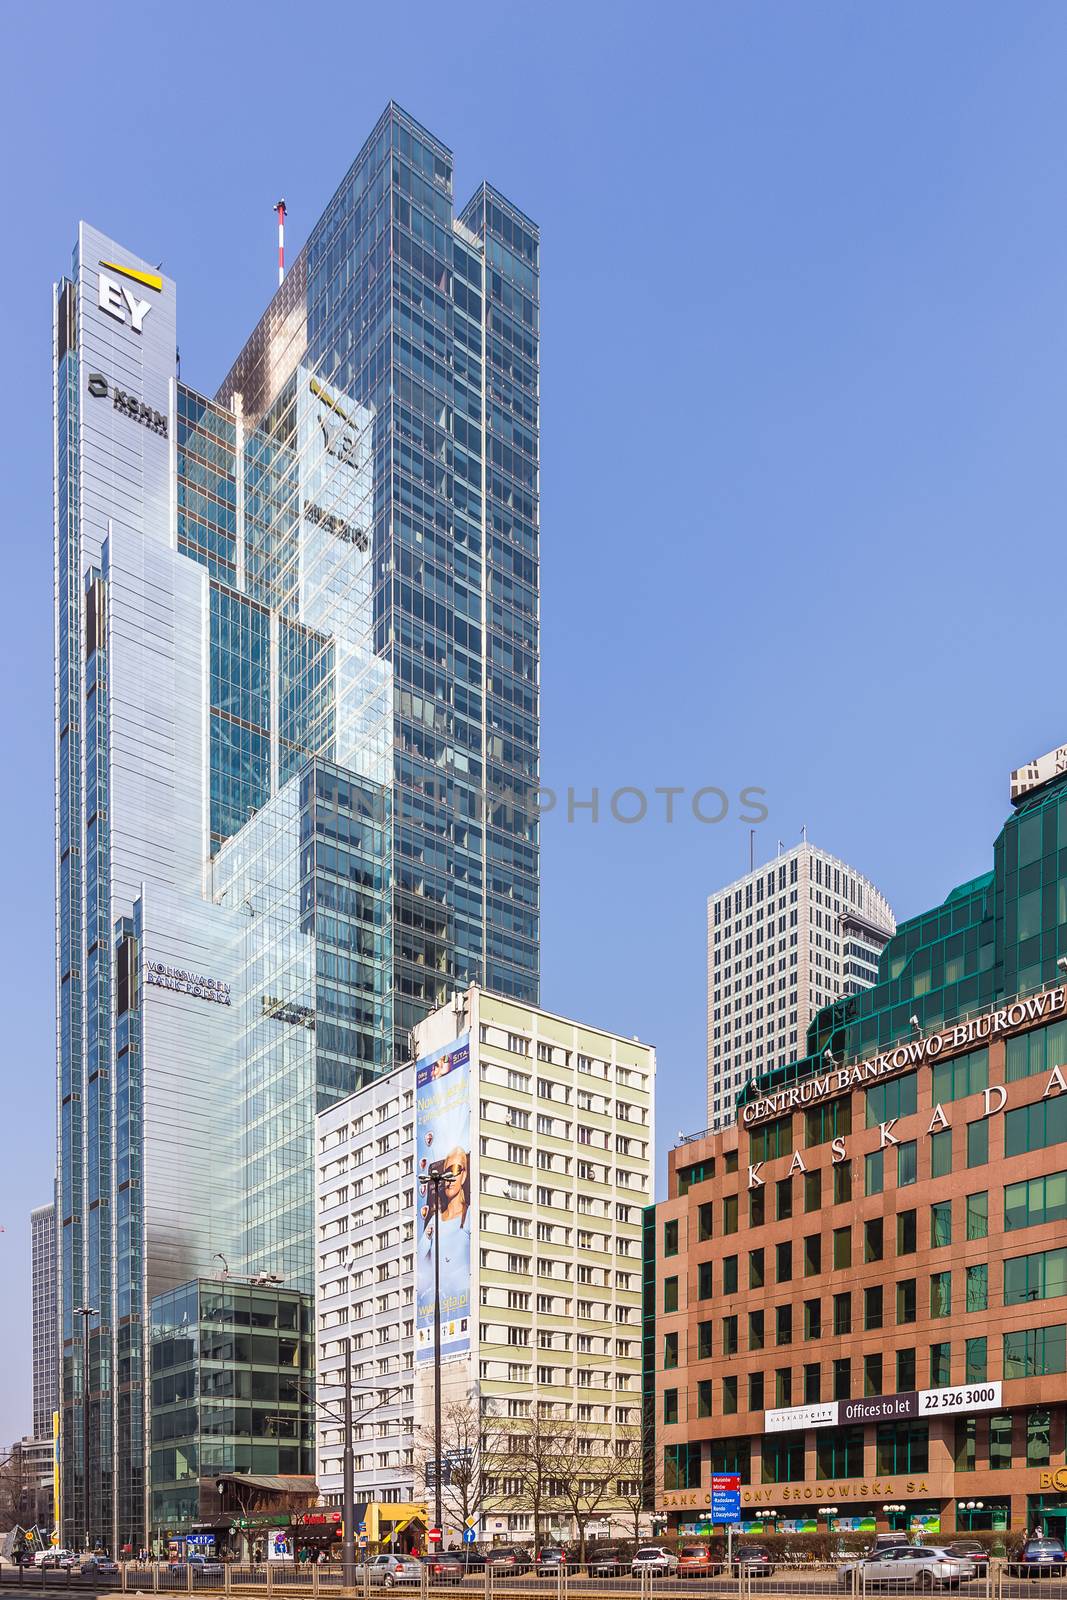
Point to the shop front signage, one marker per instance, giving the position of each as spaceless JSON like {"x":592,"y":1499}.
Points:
{"x":773,"y":1494}
{"x":904,"y":1057}
{"x":1055,"y":1478}
{"x":786,"y":1418}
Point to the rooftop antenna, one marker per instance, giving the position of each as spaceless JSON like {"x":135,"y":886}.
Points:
{"x":280,"y":209}
{"x":751,"y":849}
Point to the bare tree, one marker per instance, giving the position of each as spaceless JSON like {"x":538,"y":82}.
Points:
{"x":638,"y":1477}
{"x":586,"y":1473}
{"x":471,"y":1446}
{"x":526,"y":1469}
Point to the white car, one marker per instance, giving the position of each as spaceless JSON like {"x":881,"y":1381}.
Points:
{"x":64,"y":1560}
{"x":654,"y":1558}
{"x":925,"y":1566}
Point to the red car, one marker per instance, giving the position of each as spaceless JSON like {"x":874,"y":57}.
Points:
{"x":694,"y":1561}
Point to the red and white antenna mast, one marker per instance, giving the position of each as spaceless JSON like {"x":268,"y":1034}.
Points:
{"x":280,"y":209}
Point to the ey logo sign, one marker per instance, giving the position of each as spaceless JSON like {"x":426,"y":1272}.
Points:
{"x":119,"y":301}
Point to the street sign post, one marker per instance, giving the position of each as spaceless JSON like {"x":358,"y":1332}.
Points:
{"x":726,"y":1506}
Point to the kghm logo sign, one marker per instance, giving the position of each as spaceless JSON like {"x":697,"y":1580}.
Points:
{"x":120,"y":302}
{"x":129,"y":404}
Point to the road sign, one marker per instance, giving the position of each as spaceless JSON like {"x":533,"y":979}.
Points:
{"x":472,"y":1522}
{"x":434,"y":1536}
{"x":362,"y":1541}
{"x":469,"y":1536}
{"x":725,"y":1497}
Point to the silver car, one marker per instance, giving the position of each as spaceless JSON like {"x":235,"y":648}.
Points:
{"x":654,"y":1558}
{"x":389,"y":1570}
{"x":924,"y":1566}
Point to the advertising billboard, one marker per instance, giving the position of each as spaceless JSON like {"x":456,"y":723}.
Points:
{"x":443,"y":1133}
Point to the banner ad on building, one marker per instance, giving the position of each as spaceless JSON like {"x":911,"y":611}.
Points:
{"x":442,"y":1131}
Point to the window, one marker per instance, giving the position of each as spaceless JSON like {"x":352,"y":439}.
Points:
{"x":812,"y":1383}
{"x":772,"y":1140}
{"x":978,"y":1143}
{"x":907,"y":1163}
{"x":1035,"y":1200}
{"x":1035,"y":1352}
{"x":670,"y":1350}
{"x":783,"y":1262}
{"x":812,"y":1319}
{"x":670,"y":1406}
{"x":874,"y":1172}
{"x":897,"y":1098}
{"x":978,"y":1215}
{"x":940,"y":1365}
{"x":729,"y":1336}
{"x":729,"y":1213}
{"x":873,"y":1239}
{"x":905,"y":1371}
{"x":1037,"y":1051}
{"x":783,"y":1325}
{"x":704,"y":1397}
{"x":730,"y":1161}
{"x":783,"y":1199}
{"x":729,"y":1395}
{"x":941,"y":1153}
{"x":812,"y":1255}
{"x":872,"y":1307}
{"x":941,"y":1294}
{"x":704,"y":1289}
{"x":783,"y":1458}
{"x":966,"y":1442}
{"x":952,"y":1080}
{"x":813,"y":1190}
{"x":843,"y":1378}
{"x":681,"y":1466}
{"x":902,"y":1447}
{"x":826,"y":1122}
{"x":757,"y":1207}
{"x":906,"y":1233}
{"x":1000,"y":1442}
{"x":704,"y":1221}
{"x":703,"y":1341}
{"x":976,"y":1363}
{"x":1042,"y":1276}
{"x":842,"y":1314}
{"x":906,"y":1300}
{"x":670,"y":1238}
{"x":839,"y":1453}
{"x":729,"y":1275}
{"x":977,"y":1280}
{"x":755,"y":1391}
{"x":872,"y":1374}
{"x":783,"y":1386}
{"x":755,"y":1269}
{"x":842,"y":1247}
{"x":670,"y":1294}
{"x":842,"y":1182}
{"x":1038,"y":1438}
{"x":940,"y":1224}
{"x":1035,"y":1127}
{"x":755,"y":1330}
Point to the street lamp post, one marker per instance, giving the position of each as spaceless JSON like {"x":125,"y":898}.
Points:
{"x":85,"y":1312}
{"x":433,"y":1180}
{"x":348,"y":1543}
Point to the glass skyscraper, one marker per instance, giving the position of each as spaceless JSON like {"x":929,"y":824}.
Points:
{"x":296,"y":741}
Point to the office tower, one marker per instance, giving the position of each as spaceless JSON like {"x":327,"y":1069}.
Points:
{"x":783,"y":941}
{"x":43,"y":1269}
{"x":547,"y":1125}
{"x":863,"y":1279}
{"x":296,"y":740}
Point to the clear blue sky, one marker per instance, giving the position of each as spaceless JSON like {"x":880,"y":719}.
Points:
{"x":805,"y":346}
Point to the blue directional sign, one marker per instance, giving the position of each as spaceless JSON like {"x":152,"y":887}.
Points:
{"x":725,"y":1497}
{"x":469,"y":1536}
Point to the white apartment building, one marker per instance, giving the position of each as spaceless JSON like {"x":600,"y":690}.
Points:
{"x":784,"y":940}
{"x":552,"y":1123}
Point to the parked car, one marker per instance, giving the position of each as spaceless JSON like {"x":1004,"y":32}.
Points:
{"x":1043,"y":1557}
{"x":608,"y":1562}
{"x":93,"y":1566}
{"x":389,"y":1570}
{"x":507,"y":1558}
{"x":551,"y":1558}
{"x":887,"y":1541}
{"x":65,"y":1560}
{"x":971,"y":1550}
{"x":654,"y":1558}
{"x":694,"y":1561}
{"x":444,"y":1567}
{"x":754,"y":1560}
{"x":925,"y":1566}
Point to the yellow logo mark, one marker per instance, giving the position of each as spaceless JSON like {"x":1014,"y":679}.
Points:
{"x":151,"y":280}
